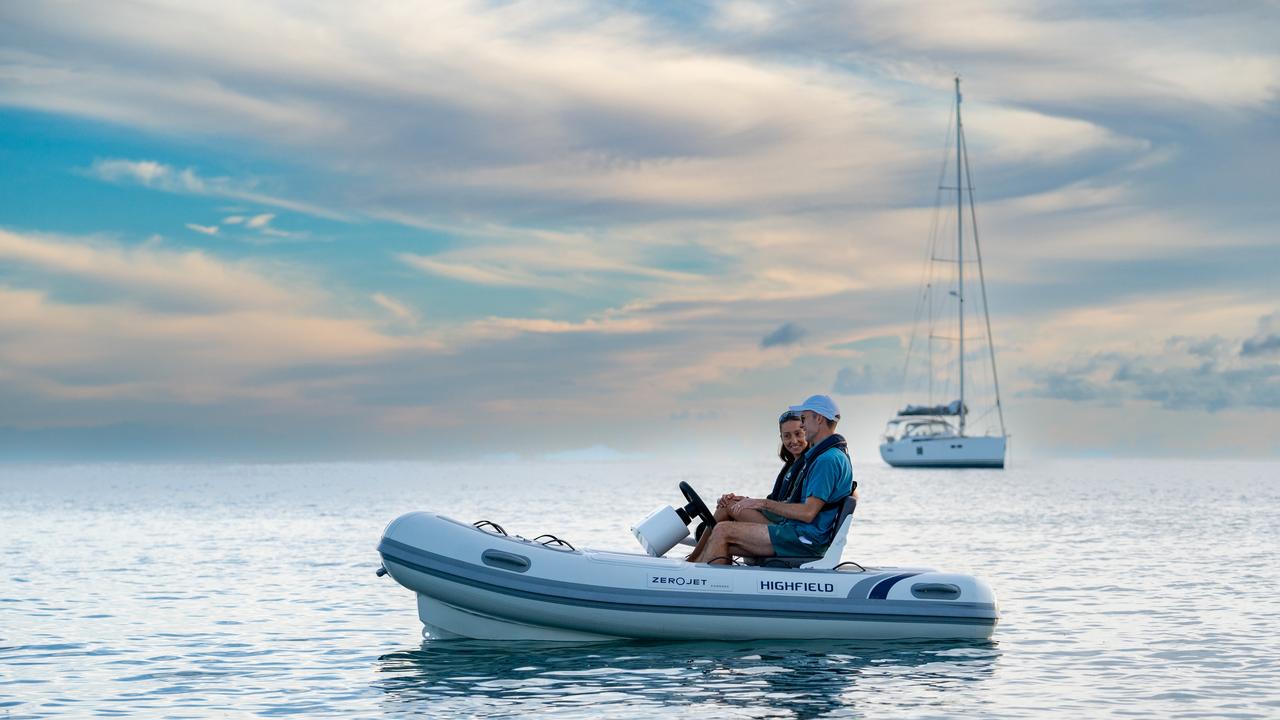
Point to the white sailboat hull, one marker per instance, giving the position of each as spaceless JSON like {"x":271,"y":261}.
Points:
{"x":948,"y":452}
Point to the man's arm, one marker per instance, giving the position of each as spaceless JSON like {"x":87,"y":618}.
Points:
{"x":804,"y":512}
{"x":819,"y":485}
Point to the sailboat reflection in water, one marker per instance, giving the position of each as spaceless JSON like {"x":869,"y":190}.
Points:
{"x":968,"y":431}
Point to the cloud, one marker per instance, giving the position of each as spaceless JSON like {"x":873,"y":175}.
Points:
{"x":863,"y":380}
{"x":395,"y":307}
{"x":187,"y":181}
{"x":413,"y":123}
{"x":1206,"y":387}
{"x":418,"y":118}
{"x":475,"y":274}
{"x":880,"y":371}
{"x":185,"y":339}
{"x":1160,"y":58}
{"x":149,"y":174}
{"x":105,"y":334}
{"x":565,"y":261}
{"x":191,"y":281}
{"x":786,"y":334}
{"x":203,"y":229}
{"x":1262,"y":345}
{"x":1190,"y":374}
{"x":1266,"y":341}
{"x":642,"y":194}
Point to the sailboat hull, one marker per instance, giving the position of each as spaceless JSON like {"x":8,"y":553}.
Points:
{"x":945,"y":452}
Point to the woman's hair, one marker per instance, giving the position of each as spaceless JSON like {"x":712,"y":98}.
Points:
{"x":783,"y":453}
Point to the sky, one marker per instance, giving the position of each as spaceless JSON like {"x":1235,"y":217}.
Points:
{"x":285,"y":231}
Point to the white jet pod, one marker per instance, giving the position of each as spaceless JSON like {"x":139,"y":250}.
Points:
{"x":661,"y":531}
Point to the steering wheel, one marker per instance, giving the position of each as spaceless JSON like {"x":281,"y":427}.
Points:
{"x":695,"y":508}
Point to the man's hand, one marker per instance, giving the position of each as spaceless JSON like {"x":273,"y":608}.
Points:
{"x":727,"y":500}
{"x":747,"y":503}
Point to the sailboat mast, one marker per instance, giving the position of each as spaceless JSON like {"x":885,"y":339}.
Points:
{"x":960,"y":246}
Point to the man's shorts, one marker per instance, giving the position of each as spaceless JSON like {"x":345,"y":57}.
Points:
{"x":788,"y":543}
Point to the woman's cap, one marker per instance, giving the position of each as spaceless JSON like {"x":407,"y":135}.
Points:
{"x":821,"y":404}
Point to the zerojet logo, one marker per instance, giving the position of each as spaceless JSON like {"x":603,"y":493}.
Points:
{"x":677,"y":581}
{"x":785,"y":586}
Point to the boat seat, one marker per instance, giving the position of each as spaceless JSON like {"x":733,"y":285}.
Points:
{"x":829,"y":559}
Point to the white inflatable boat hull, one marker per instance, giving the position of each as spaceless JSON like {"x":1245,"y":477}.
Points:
{"x":472,"y":583}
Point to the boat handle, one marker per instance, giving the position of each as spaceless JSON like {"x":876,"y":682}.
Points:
{"x":935,"y":591}
{"x":505,"y":560}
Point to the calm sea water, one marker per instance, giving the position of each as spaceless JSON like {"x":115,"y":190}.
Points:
{"x":1127,"y":588}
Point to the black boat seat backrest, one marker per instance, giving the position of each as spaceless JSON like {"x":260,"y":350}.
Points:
{"x":846,"y":508}
{"x":850,"y":504}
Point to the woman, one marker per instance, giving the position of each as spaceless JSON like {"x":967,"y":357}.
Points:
{"x":794,"y":444}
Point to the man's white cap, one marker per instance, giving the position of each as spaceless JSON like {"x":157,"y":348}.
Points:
{"x":821,"y":404}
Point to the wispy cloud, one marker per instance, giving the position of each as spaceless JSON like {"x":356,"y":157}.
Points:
{"x":152,"y":327}
{"x":203,"y":229}
{"x":477,"y":274}
{"x":171,"y":278}
{"x":166,"y":178}
{"x":259,"y":221}
{"x":397,"y":309}
{"x":545,"y":259}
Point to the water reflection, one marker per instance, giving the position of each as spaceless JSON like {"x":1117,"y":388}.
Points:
{"x":648,"y":678}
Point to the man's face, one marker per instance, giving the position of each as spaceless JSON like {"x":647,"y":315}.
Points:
{"x":812,"y":423}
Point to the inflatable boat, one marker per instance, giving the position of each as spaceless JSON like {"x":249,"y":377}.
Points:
{"x":477,"y":581}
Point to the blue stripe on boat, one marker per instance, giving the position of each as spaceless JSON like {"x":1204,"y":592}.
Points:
{"x":881,"y":590}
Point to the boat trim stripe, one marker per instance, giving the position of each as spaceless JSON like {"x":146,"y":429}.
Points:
{"x":881,"y":590}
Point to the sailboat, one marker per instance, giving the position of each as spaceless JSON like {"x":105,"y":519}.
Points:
{"x":964,"y":430}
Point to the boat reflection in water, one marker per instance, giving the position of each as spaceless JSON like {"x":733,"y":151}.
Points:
{"x":635,"y":678}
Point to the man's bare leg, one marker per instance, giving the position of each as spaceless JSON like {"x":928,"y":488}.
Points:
{"x":724,"y":513}
{"x":732,"y":537}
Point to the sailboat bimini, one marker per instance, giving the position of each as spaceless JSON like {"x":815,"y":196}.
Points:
{"x":969,"y":431}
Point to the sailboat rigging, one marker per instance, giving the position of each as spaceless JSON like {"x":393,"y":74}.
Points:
{"x":937,"y":434}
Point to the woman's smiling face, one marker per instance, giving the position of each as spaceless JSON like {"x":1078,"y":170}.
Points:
{"x":792,"y":434}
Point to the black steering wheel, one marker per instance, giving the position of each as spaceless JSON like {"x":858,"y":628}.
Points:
{"x":695,"y":508}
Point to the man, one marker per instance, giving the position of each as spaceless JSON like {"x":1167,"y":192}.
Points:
{"x":801,"y":525}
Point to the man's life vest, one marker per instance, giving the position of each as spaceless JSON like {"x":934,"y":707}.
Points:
{"x":789,"y":486}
